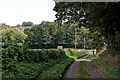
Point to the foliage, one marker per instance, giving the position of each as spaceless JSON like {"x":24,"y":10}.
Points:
{"x":3,"y":26}
{"x":24,"y":64}
{"x":25,"y":24}
{"x":102,"y":18}
{"x":108,"y":65}
{"x":12,"y":44}
{"x":75,"y":55}
{"x":22,"y":70}
{"x":18,"y":25}
{"x":54,"y":66}
{"x":12,"y":37}
{"x":56,"y":71}
{"x":12,"y":52}
{"x":37,"y":55}
{"x":50,"y":35}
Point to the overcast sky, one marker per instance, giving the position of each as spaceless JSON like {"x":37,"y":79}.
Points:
{"x":13,"y":12}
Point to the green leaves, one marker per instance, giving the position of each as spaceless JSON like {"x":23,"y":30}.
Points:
{"x":37,"y":64}
{"x":12,"y":37}
{"x":98,"y":17}
{"x":25,"y":24}
{"x":50,"y":35}
{"x":12,"y":44}
{"x":36,"y":55}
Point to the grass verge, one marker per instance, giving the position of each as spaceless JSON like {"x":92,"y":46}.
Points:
{"x":107,"y":65}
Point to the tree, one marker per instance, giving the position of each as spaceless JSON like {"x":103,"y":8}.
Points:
{"x":100,"y":17}
{"x":18,"y":25}
{"x":42,"y":35}
{"x":13,"y":45}
{"x":27,"y":24}
{"x":3,"y":26}
{"x":52,"y":34}
{"x":12,"y":37}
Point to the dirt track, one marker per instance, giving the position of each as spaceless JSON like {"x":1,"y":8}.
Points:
{"x":71,"y":72}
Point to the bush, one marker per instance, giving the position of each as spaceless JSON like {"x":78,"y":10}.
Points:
{"x":38,"y":55}
{"x":12,"y":52}
{"x":56,"y":71}
{"x":38,"y":64}
{"x":25,"y":71}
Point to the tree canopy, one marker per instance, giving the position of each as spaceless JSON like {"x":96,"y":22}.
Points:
{"x":100,"y":17}
{"x":52,"y":34}
{"x":27,"y":23}
{"x":12,"y":37}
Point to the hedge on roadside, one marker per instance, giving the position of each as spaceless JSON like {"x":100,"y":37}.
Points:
{"x":38,"y":55}
{"x":46,"y":64}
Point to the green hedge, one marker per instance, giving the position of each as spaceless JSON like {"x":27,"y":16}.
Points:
{"x":39,"y":64}
{"x":38,"y":55}
{"x":25,"y":64}
{"x":26,"y":71}
{"x":22,"y":71}
{"x":31,"y":55}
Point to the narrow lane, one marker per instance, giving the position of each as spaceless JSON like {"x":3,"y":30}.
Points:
{"x":91,"y":69}
{"x":71,"y":72}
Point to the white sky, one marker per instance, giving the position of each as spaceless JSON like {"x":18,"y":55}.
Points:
{"x":13,"y":12}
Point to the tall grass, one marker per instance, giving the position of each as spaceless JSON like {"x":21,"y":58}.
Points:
{"x":108,"y":65}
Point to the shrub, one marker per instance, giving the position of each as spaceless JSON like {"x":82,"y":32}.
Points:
{"x":38,"y":63}
{"x":38,"y":55}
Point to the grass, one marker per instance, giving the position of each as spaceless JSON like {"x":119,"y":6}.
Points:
{"x":107,"y":65}
{"x":74,"y":54}
{"x":82,"y":71}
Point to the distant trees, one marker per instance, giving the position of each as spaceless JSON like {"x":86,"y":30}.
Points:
{"x":52,"y":34}
{"x":42,"y":35}
{"x":3,"y":26}
{"x":27,"y":24}
{"x":18,"y":25}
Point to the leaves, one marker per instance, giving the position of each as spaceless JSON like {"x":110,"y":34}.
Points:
{"x":12,"y":37}
{"x":50,"y":35}
{"x":98,"y":17}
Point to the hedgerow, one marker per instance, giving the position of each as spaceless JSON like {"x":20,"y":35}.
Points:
{"x":37,"y":64}
{"x":38,"y":55}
